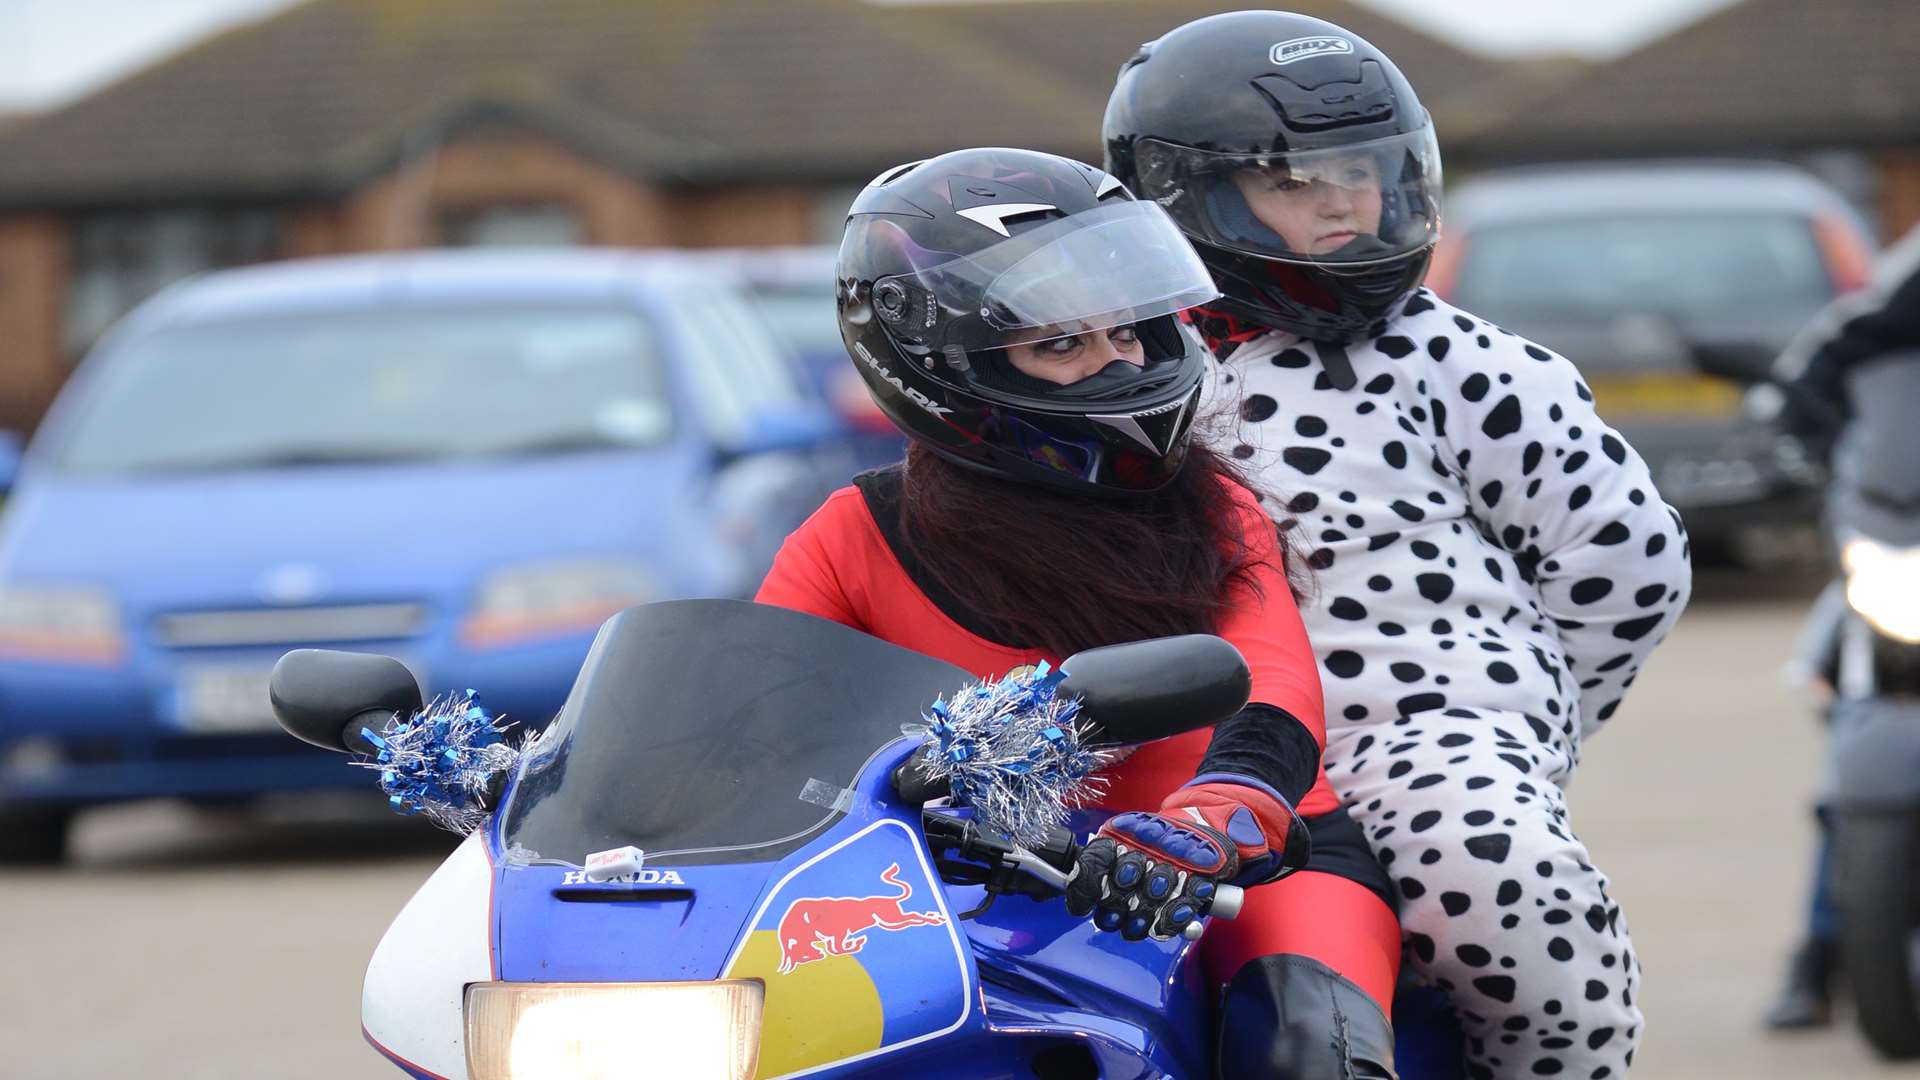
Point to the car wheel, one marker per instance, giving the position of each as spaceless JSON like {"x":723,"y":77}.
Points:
{"x":32,"y":836}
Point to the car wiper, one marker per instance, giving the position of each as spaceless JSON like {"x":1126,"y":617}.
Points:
{"x":292,"y":457}
{"x":570,"y":443}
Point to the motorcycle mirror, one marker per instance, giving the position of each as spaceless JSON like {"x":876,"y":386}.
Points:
{"x":1738,"y":362}
{"x":1147,"y":690}
{"x":324,"y":697}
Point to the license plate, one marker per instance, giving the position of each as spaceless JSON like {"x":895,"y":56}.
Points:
{"x":1688,"y":396}
{"x":1686,"y":483}
{"x":227,"y":700}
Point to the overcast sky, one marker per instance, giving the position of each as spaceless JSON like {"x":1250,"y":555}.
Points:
{"x":54,"y":50}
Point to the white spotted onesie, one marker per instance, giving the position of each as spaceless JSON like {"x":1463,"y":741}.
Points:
{"x":1493,"y":567}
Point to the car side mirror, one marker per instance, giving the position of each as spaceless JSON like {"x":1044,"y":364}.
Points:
{"x":11,"y":452}
{"x":324,"y":697}
{"x":1741,"y":363}
{"x":1146,"y":690}
{"x":798,"y":427}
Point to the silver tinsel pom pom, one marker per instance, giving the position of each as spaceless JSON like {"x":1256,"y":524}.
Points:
{"x":441,"y":760}
{"x":1014,"y":752}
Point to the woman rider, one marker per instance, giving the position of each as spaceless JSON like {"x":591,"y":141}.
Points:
{"x":1015,"y":314}
{"x":1495,"y":564}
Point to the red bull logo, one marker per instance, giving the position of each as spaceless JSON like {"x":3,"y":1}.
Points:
{"x":816,"y":927}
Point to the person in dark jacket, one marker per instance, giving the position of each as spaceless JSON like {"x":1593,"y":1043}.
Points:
{"x":1874,"y":324}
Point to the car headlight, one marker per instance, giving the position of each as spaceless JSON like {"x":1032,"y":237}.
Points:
{"x":614,"y":1031}
{"x":1883,"y":585}
{"x":537,"y":600}
{"x":60,"y":623}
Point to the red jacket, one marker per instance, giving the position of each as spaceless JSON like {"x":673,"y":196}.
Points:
{"x":838,"y":566}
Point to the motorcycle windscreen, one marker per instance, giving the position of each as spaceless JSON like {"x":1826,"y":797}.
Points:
{"x":1876,"y":486}
{"x":713,"y":731}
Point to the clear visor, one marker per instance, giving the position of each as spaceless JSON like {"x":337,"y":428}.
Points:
{"x":1340,"y":205}
{"x":1122,"y":263}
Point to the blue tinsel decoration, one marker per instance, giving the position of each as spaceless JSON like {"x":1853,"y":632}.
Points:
{"x":1015,"y":752}
{"x":440,"y":761}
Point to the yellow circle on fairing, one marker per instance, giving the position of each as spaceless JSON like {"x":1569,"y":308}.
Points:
{"x":818,"y":1013}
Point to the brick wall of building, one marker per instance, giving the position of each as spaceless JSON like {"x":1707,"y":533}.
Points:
{"x":398,"y":210}
{"x":33,"y":274}
{"x":1899,"y":173}
{"x":492,"y":168}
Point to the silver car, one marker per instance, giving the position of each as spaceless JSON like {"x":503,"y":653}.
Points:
{"x":1635,"y":272}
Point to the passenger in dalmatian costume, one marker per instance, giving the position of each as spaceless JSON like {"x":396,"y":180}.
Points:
{"x":1494,"y":564}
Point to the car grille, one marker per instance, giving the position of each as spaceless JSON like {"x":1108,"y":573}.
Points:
{"x":274,"y":626}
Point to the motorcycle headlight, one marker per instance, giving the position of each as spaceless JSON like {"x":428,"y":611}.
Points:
{"x":1883,"y":586}
{"x":59,"y":623}
{"x":539,"y":600}
{"x":614,"y":1031}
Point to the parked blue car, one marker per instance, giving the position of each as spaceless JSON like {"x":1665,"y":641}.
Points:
{"x":792,"y":288}
{"x":465,"y":459}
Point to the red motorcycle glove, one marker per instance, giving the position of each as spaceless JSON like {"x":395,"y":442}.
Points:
{"x":1151,"y":874}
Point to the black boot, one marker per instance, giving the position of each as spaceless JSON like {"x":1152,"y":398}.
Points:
{"x":1291,"y":1018}
{"x":1806,"y":1001}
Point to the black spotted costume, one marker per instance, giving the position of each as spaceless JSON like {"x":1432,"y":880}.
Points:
{"x":1493,"y":567}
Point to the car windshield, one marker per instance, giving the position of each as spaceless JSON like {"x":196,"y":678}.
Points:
{"x":1686,"y":266}
{"x":365,"y":386}
{"x":804,"y":319}
{"x":669,"y":743}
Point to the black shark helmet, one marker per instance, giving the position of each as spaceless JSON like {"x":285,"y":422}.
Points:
{"x":948,"y":262}
{"x":1295,"y":156}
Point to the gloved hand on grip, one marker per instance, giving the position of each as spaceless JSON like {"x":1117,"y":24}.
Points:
{"x":1152,"y":874}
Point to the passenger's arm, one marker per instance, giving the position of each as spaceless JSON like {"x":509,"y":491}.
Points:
{"x":1549,"y":481}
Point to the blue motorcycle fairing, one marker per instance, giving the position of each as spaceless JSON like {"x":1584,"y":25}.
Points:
{"x":908,"y":989}
{"x":1036,"y":951}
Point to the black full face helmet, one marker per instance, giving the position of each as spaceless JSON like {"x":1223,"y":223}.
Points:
{"x":948,"y":263}
{"x":1294,"y":155}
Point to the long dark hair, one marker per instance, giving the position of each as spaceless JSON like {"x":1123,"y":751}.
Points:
{"x":1063,"y":572}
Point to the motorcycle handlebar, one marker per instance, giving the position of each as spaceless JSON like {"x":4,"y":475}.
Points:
{"x":1054,"y":863}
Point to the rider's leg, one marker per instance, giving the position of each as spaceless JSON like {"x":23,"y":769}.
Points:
{"x":1290,"y":1017}
{"x":1310,"y":967}
{"x":1500,"y":903}
{"x":1806,"y":999}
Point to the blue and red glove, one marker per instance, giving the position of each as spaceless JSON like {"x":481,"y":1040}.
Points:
{"x":1149,"y":875}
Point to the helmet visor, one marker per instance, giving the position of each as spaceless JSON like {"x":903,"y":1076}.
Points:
{"x":1345,"y":205}
{"x":1125,"y":262}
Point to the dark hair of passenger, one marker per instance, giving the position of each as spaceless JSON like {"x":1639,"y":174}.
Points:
{"x":1063,"y":572}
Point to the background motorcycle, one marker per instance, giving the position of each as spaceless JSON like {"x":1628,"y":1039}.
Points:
{"x":1866,"y":633}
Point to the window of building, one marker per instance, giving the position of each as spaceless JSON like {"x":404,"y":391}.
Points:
{"x":830,"y":212}
{"x":122,"y":257}
{"x":513,"y":225}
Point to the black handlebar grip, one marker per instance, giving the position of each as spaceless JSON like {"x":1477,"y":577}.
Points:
{"x":913,"y":786}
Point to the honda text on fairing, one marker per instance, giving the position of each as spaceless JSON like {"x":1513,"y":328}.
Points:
{"x":372,"y":452}
{"x":714,"y":868}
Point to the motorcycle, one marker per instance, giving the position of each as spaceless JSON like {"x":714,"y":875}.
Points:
{"x":725,"y":859}
{"x":1867,"y":647}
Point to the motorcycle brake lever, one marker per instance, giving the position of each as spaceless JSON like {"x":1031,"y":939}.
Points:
{"x":1041,"y":868}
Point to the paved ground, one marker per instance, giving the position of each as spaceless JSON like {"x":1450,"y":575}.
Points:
{"x":190,"y":946}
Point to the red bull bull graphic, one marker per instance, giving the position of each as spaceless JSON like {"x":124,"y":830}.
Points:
{"x":859,"y":954}
{"x":816,"y":927}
